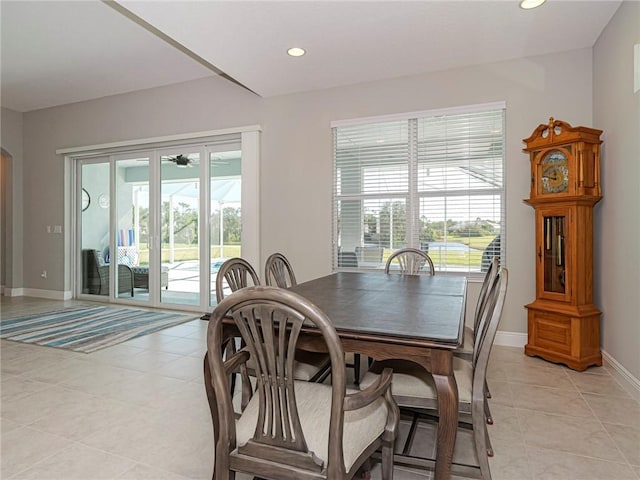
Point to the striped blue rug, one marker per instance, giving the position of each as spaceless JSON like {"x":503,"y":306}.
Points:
{"x":87,"y":329}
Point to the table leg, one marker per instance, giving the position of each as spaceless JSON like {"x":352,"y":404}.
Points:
{"x":442,"y":371}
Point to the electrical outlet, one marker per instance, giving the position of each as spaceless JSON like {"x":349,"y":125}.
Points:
{"x":44,"y":274}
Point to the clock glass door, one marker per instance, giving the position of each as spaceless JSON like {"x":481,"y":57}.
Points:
{"x":553,"y":254}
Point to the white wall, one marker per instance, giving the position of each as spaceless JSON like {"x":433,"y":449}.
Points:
{"x":616,"y":110}
{"x":297,"y":161}
{"x":296,"y":151}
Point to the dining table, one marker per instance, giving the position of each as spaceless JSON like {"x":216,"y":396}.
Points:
{"x":419,"y":318}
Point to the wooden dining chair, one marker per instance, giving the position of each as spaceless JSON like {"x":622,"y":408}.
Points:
{"x":414,"y":388}
{"x":470,"y":332}
{"x":411,"y":261}
{"x":291,"y":429}
{"x":236,"y":274}
{"x":466,"y":351}
{"x":278,"y":271}
{"x":311,"y":366}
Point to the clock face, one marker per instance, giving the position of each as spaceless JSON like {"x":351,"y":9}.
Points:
{"x":554,"y":173}
{"x":86,"y":200}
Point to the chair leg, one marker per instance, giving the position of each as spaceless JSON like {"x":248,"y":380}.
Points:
{"x":480,"y":437}
{"x":365,"y":470}
{"x":487,"y":393}
{"x":411,"y":435}
{"x":356,"y":368}
{"x":322,"y":375}
{"x":487,"y":412}
{"x":489,"y":446}
{"x":387,"y":460}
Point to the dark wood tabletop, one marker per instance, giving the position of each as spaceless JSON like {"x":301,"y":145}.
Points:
{"x":421,"y":307}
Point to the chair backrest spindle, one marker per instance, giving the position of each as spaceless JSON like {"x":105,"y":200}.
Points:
{"x":235,"y":272}
{"x":411,"y":262}
{"x":278,"y":271}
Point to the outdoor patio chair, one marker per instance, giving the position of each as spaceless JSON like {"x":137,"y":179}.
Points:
{"x":370,"y":254}
{"x":95,"y":275}
{"x":414,"y":388}
{"x":347,"y":259}
{"x":291,"y":429}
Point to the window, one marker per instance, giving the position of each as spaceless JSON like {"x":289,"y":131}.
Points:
{"x":428,"y":180}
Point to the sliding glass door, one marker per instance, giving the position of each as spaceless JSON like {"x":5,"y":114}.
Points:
{"x":180,"y":194}
{"x":94,"y":231}
{"x":156,"y":225}
{"x":225,"y":212}
{"x":132,"y":207}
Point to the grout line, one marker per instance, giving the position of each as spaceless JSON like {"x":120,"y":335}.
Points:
{"x":615,"y":444}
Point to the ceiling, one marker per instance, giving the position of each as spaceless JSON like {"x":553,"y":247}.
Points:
{"x":54,"y":53}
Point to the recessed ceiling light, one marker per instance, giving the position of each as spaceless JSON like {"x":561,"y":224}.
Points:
{"x":296,"y":52}
{"x":529,"y":4}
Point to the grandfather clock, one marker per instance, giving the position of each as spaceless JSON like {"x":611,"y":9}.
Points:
{"x":563,"y":322}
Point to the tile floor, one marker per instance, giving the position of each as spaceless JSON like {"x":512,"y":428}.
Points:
{"x":138,"y":411}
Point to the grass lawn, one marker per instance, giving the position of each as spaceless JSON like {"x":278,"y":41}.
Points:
{"x":182,"y":253}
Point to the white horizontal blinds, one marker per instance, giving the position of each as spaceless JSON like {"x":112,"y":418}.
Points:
{"x":460,"y":187}
{"x":371,"y":188}
{"x":433,"y":182}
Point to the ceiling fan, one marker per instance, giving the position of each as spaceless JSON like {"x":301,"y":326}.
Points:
{"x":181,"y":161}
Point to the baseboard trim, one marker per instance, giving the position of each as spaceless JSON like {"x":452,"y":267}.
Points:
{"x":623,"y":375}
{"x":48,"y":294}
{"x":511,"y":339}
{"x":13,"y":292}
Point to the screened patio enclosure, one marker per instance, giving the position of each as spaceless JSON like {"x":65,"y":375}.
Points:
{"x":164,"y":220}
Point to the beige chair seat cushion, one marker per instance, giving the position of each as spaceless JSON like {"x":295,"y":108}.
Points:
{"x":361,"y":427}
{"x":467,"y":346}
{"x":411,"y":380}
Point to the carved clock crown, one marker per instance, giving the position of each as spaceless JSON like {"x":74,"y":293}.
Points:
{"x":557,"y":132}
{"x":580,"y":149}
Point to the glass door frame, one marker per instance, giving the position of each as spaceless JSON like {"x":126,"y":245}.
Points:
{"x":74,"y":157}
{"x":78,"y":236}
{"x":115,"y":195}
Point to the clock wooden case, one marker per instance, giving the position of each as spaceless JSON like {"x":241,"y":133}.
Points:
{"x":563,"y":322}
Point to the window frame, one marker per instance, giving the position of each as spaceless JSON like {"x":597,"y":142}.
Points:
{"x":413,"y":195}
